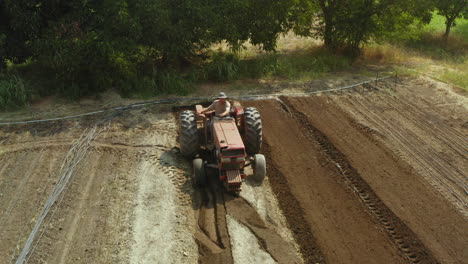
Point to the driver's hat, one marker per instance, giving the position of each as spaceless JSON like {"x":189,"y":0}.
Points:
{"x":222,"y":96}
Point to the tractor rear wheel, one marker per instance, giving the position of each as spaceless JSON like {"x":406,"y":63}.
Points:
{"x":259,"y":168}
{"x":199,"y":175}
{"x":252,"y":130}
{"x":188,"y":134}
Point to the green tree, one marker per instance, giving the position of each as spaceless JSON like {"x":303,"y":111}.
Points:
{"x":451,"y":10}
{"x":85,"y":46}
{"x":350,"y":23}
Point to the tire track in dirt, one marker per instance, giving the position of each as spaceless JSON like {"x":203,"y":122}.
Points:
{"x":163,"y":219}
{"x":59,"y":144}
{"x":18,"y":148}
{"x":441,"y":173}
{"x":405,"y":192}
{"x":402,"y":236}
{"x":4,"y":167}
{"x":83,"y":200}
{"x":212,"y":235}
{"x":21,"y":203}
{"x":215,"y":204}
{"x":408,"y":138}
{"x":345,"y":233}
{"x":451,"y":140}
{"x":270,"y":241}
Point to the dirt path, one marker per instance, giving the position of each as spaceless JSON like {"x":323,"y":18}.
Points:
{"x":127,"y":201}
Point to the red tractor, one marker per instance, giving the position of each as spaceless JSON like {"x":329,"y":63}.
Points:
{"x":227,"y":145}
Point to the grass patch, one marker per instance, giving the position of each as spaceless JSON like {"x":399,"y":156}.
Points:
{"x":158,"y":84}
{"x":437,"y":26}
{"x":426,"y":42}
{"x":459,"y":78}
{"x":384,"y":54}
{"x":14,"y":92}
{"x":302,"y":64}
{"x":433,"y":47}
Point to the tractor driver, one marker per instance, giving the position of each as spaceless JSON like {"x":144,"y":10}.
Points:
{"x":220,"y":106}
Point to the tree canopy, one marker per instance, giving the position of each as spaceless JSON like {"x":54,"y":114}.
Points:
{"x":87,"y":45}
{"x":350,"y":23}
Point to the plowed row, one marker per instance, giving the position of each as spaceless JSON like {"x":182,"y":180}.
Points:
{"x":360,"y":200}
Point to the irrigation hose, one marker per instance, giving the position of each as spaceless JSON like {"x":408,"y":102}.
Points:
{"x":192,"y":99}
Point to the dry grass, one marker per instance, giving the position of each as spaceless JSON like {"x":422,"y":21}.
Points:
{"x":385,"y":54}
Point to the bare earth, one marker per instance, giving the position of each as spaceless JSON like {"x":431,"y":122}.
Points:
{"x":377,"y":174}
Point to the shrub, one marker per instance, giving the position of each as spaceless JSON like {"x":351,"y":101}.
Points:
{"x":223,"y":67}
{"x":164,"y":82}
{"x":13,"y":92}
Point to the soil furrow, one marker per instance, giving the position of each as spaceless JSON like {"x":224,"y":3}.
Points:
{"x":293,"y":211}
{"x":412,"y":139}
{"x":413,"y":150}
{"x":434,"y":221}
{"x":213,"y":241}
{"x":213,"y":236}
{"x":403,"y":148}
{"x":406,"y":109}
{"x":344,"y":232}
{"x":401,"y":235}
{"x":269,"y":240}
{"x":460,"y":142}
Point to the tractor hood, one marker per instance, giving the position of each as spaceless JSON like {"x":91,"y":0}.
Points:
{"x":226,"y":135}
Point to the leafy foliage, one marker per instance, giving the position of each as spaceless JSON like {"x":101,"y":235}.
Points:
{"x":13,"y":92}
{"x":143,"y":47}
{"x":350,"y":23}
{"x":451,"y":10}
{"x":85,"y":46}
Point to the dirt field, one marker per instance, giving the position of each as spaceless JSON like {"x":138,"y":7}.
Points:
{"x":377,"y":174}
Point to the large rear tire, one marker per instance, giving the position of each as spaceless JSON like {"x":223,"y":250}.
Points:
{"x":199,"y":174}
{"x":252,"y":130}
{"x":259,"y":168}
{"x":188,"y":134}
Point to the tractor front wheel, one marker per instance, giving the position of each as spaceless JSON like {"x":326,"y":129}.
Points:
{"x":199,"y":175}
{"x":259,"y":168}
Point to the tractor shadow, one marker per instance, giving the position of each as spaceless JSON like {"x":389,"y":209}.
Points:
{"x":179,"y":170}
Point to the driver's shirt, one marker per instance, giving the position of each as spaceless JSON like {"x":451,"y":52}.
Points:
{"x":219,"y":107}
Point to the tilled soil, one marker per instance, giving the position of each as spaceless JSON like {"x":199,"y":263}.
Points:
{"x":344,"y":232}
{"x":128,"y":200}
{"x":372,"y":175}
{"x":359,"y":198}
